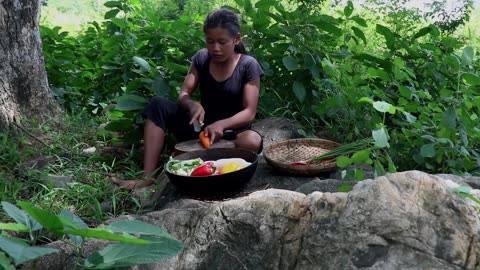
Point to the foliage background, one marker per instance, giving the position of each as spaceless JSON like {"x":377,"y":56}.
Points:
{"x":320,"y":59}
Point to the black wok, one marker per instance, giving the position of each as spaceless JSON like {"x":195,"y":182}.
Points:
{"x":215,"y":183}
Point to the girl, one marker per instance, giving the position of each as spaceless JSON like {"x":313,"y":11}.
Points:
{"x":229,"y":84}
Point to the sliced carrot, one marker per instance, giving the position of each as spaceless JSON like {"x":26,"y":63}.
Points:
{"x":204,"y":140}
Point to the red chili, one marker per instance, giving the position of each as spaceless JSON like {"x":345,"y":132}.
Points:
{"x":205,"y":169}
{"x":300,"y":163}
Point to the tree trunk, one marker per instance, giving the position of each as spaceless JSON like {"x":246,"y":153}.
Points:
{"x":24,"y":92}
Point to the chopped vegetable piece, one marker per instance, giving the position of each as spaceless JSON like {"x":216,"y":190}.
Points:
{"x":300,"y":163}
{"x":183,"y":167}
{"x":220,"y":163}
{"x":231,"y":167}
{"x":204,"y":140}
{"x":205,"y":169}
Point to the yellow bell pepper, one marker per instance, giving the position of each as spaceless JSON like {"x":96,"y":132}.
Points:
{"x":231,"y":167}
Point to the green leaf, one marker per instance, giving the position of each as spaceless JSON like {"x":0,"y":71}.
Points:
{"x":111,"y":14}
{"x":123,"y":255}
{"x":134,"y":85}
{"x":112,"y":4}
{"x":391,"y":166}
{"x":381,"y":138}
{"x":389,"y":37}
{"x":343,"y":161}
{"x":405,"y":92}
{"x":463,"y":189}
{"x":359,"y":175}
{"x":429,"y":137}
{"x":77,"y":223}
{"x":119,"y":22}
{"x":361,"y":156}
{"x":427,"y":150}
{"x":299,"y":91}
{"x":48,"y":220}
{"x":449,"y":118}
{"x":177,"y":68}
{"x":398,"y":74}
{"x":472,"y":79}
{"x":144,"y":66}
{"x":392,"y":110}
{"x":347,"y":68}
{"x":308,"y":61}
{"x":160,"y":87}
{"x":348,"y":10}
{"x":463,"y":137}
{"x":378,"y":169}
{"x":107,"y":67}
{"x":247,"y":5}
{"x":382,"y":106}
{"x":290,"y":63}
{"x":344,"y":188}
{"x":138,"y":227}
{"x":120,"y":125}
{"x":104,"y":233}
{"x":360,"y":21}
{"x":382,"y":74}
{"x":422,"y":32}
{"x":20,"y":252}
{"x":21,"y":216}
{"x":16,"y":227}
{"x":373,"y":61}
{"x":467,"y":56}
{"x":410,"y":118}
{"x":330,"y":28}
{"x":130,"y":102}
{"x":5,"y":263}
{"x":366,"y":99}
{"x":359,"y":33}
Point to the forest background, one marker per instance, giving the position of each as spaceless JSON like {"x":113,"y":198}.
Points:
{"x":405,"y":76}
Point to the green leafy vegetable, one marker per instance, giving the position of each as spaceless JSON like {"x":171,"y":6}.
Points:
{"x":183,"y":167}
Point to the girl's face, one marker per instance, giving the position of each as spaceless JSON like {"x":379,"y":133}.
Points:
{"x":220,"y":43}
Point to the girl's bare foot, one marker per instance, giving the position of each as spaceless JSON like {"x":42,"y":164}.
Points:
{"x":132,"y":184}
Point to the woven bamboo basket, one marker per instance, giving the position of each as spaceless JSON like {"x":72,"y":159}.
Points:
{"x":281,"y":155}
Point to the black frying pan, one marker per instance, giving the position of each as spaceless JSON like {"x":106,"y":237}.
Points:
{"x":215,"y":183}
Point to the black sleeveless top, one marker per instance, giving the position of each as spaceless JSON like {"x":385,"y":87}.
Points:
{"x":224,"y":99}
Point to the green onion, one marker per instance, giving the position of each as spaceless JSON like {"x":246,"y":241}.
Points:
{"x":344,"y":150}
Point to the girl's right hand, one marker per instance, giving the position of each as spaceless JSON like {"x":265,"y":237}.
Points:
{"x":196,"y":113}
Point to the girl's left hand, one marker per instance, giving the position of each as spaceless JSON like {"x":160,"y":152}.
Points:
{"x":214,"y":131}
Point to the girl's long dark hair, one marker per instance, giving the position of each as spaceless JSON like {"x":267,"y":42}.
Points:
{"x":228,"y":20}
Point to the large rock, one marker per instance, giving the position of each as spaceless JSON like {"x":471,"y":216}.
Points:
{"x":407,"y":220}
{"x":276,"y":129}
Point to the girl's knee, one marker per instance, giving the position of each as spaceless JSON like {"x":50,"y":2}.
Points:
{"x":249,"y":139}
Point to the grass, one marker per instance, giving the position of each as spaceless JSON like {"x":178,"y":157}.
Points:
{"x":42,"y":149}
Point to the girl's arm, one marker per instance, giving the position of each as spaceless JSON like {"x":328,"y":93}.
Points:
{"x":251,"y":93}
{"x":185,"y":97}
